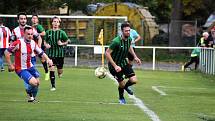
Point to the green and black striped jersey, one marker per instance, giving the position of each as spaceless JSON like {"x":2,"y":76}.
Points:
{"x":52,"y":37}
{"x":120,"y":50}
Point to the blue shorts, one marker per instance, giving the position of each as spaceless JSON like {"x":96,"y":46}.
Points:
{"x":2,"y":51}
{"x":27,"y":74}
{"x":33,"y":60}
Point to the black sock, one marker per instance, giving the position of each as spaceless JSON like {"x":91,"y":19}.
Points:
{"x":121,"y":92}
{"x":52,"y":78}
{"x":128,"y":83}
{"x":45,"y":66}
{"x":29,"y":93}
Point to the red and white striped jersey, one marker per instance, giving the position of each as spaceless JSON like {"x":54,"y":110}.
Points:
{"x":23,"y":52}
{"x":19,"y":33}
{"x":4,"y":37}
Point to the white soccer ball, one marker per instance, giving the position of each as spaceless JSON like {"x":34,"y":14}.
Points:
{"x":100,"y":72}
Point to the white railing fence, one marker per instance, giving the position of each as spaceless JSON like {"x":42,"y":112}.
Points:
{"x":83,"y":55}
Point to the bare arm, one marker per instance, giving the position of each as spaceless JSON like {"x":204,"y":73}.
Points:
{"x":8,"y":60}
{"x":63,"y":43}
{"x":7,"y":57}
{"x":39,"y":42}
{"x":131,"y":50}
{"x":137,"y":39}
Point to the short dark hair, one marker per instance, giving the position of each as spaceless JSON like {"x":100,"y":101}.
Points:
{"x":27,"y":28}
{"x":124,"y":25}
{"x":55,"y":17}
{"x":21,"y":13}
{"x":34,"y":15}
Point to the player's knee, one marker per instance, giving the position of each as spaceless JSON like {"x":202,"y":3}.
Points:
{"x":34,"y":82}
{"x":133,"y":79}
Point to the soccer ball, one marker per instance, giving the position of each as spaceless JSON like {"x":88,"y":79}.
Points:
{"x":100,"y":72}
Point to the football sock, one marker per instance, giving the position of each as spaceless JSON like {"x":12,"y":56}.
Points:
{"x":128,"y":83}
{"x":52,"y":78}
{"x":121,"y":92}
{"x":34,"y":91}
{"x":45,"y":66}
{"x":1,"y":62}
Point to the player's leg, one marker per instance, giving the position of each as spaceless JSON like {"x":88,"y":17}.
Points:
{"x":45,"y":66}
{"x":1,"y":58}
{"x":196,"y":62}
{"x":119,"y":77}
{"x":26,"y":76}
{"x":60,"y":66}
{"x":129,"y":72}
{"x":52,"y":74}
{"x":189,"y":63}
{"x":34,"y":81}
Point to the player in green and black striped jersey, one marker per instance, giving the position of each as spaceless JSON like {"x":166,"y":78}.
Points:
{"x":118,"y":65}
{"x":39,"y":28}
{"x":55,"y":39}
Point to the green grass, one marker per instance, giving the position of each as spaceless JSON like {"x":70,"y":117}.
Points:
{"x":83,"y":97}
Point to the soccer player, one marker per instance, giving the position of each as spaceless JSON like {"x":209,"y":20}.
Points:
{"x":23,"y":49}
{"x":39,"y":28}
{"x":194,"y":58}
{"x":55,"y":39}
{"x":118,"y":65}
{"x":135,"y":37}
{"x":18,"y":33}
{"x":4,"y":41}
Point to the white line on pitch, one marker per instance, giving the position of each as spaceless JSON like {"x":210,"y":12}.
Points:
{"x":58,"y":101}
{"x":155,"y":88}
{"x":193,"y":88}
{"x":139,"y":103}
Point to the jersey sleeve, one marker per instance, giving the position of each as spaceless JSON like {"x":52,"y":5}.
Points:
{"x":14,"y":46}
{"x":38,"y":50}
{"x":40,"y":29}
{"x":64,"y":36}
{"x":113,"y":45}
{"x":135,"y":34}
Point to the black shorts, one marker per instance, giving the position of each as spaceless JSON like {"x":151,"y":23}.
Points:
{"x":58,"y":61}
{"x":127,"y":71}
{"x":130,"y":56}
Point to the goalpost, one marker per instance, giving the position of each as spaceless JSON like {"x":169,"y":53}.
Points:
{"x":81,"y":30}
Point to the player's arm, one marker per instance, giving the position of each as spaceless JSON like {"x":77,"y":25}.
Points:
{"x":110,"y":59}
{"x":43,"y":55}
{"x":131,"y":50}
{"x":8,"y":60}
{"x":13,"y":47}
{"x":65,"y":40}
{"x":137,"y":36}
{"x":39,"y":41}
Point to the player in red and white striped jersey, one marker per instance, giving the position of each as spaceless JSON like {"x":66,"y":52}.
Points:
{"x":23,"y":49}
{"x":4,"y":41}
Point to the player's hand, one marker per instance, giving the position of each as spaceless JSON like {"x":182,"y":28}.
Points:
{"x":50,"y":63}
{"x":138,"y":61}
{"x":11,"y":68}
{"x":59,"y":43}
{"x":47,"y":46}
{"x":117,"y":68}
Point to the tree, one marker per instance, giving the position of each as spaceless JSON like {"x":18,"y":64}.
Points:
{"x":175,"y":25}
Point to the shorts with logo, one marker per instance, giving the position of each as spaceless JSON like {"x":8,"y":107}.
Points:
{"x":127,"y":71}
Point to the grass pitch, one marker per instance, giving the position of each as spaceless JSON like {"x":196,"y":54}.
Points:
{"x":80,"y":96}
